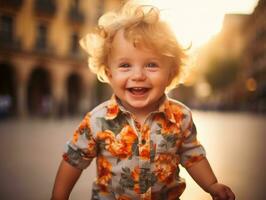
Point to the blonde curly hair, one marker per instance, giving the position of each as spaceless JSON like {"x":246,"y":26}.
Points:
{"x":141,"y":25}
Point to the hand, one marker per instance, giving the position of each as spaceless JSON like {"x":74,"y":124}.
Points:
{"x":221,"y":192}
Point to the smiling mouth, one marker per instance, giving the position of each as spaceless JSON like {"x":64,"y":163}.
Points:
{"x":138,"y":90}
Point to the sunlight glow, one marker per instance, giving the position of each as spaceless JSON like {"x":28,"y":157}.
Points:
{"x":196,"y":21}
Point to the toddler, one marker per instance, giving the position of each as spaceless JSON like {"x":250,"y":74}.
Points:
{"x":140,"y":136}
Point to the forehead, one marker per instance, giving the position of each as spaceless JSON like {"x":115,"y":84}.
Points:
{"x":123,"y":45}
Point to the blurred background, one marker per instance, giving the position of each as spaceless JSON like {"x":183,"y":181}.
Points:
{"x":46,"y":88}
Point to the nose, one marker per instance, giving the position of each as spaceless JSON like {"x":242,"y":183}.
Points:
{"x":138,"y":74}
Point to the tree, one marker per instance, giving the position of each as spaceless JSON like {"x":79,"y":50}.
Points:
{"x":222,"y":73}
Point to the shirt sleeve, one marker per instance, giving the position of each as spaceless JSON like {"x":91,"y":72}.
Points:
{"x":191,"y":151}
{"x":81,"y":149}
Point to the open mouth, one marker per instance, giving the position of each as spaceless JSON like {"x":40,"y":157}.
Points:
{"x":138,"y":90}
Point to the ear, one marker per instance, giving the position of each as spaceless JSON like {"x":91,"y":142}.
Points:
{"x":172,"y":74}
{"x":108,"y":72}
{"x":170,"y":77}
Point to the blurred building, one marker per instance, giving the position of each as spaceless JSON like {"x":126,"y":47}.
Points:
{"x":226,"y":54}
{"x":214,"y":59}
{"x":42,"y":69}
{"x":229,"y":42}
{"x":253,"y":82}
{"x":243,"y":41}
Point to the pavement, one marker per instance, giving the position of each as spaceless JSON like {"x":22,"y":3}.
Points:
{"x":30,"y":152}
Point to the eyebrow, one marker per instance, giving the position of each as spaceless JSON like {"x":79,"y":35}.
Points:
{"x":122,"y":59}
{"x":128,"y":59}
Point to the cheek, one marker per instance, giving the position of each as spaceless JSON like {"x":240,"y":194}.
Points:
{"x":169,"y":77}
{"x":161,"y":79}
{"x":117,"y":80}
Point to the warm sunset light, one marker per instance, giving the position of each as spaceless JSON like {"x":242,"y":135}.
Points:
{"x":197,"y":21}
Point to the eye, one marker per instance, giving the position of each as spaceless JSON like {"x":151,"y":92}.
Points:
{"x":152,"y":65}
{"x":124,"y":65}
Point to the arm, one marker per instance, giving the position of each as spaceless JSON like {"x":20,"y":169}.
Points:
{"x":65,"y":180}
{"x":202,"y":173}
{"x":79,"y":153}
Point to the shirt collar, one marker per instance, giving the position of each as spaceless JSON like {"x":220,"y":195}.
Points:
{"x":114,"y":107}
{"x":166,"y":109}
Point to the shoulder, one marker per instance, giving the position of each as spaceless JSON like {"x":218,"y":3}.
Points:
{"x":92,"y":117}
{"x":178,"y":106}
{"x":181,"y":111}
{"x":100,"y":110}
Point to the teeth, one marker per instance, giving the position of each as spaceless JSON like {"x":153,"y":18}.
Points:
{"x":138,"y":90}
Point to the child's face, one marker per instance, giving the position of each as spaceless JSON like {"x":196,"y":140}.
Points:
{"x":138,"y":76}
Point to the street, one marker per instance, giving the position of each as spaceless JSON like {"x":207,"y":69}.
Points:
{"x":31,"y":151}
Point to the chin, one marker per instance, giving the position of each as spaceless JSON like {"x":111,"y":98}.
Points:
{"x":141,"y":105}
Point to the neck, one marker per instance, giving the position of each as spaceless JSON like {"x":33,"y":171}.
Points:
{"x":139,"y":113}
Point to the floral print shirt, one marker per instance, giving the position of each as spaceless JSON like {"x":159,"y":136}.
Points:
{"x":134,"y":161}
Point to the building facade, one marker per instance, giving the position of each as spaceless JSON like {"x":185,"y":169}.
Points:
{"x":243,"y":39}
{"x":43,"y":71}
{"x":253,"y":82}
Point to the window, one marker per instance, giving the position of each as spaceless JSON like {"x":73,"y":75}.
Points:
{"x":74,"y":43}
{"x":75,"y":4}
{"x":41,"y":42}
{"x":6,"y":29}
{"x":45,"y":7}
{"x":75,"y":15}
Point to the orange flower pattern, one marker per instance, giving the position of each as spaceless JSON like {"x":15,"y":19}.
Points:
{"x":166,"y":166}
{"x":135,"y":176}
{"x":104,"y":173}
{"x":112,"y":110}
{"x":144,"y":146}
{"x":133,"y":161}
{"x":120,"y":145}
